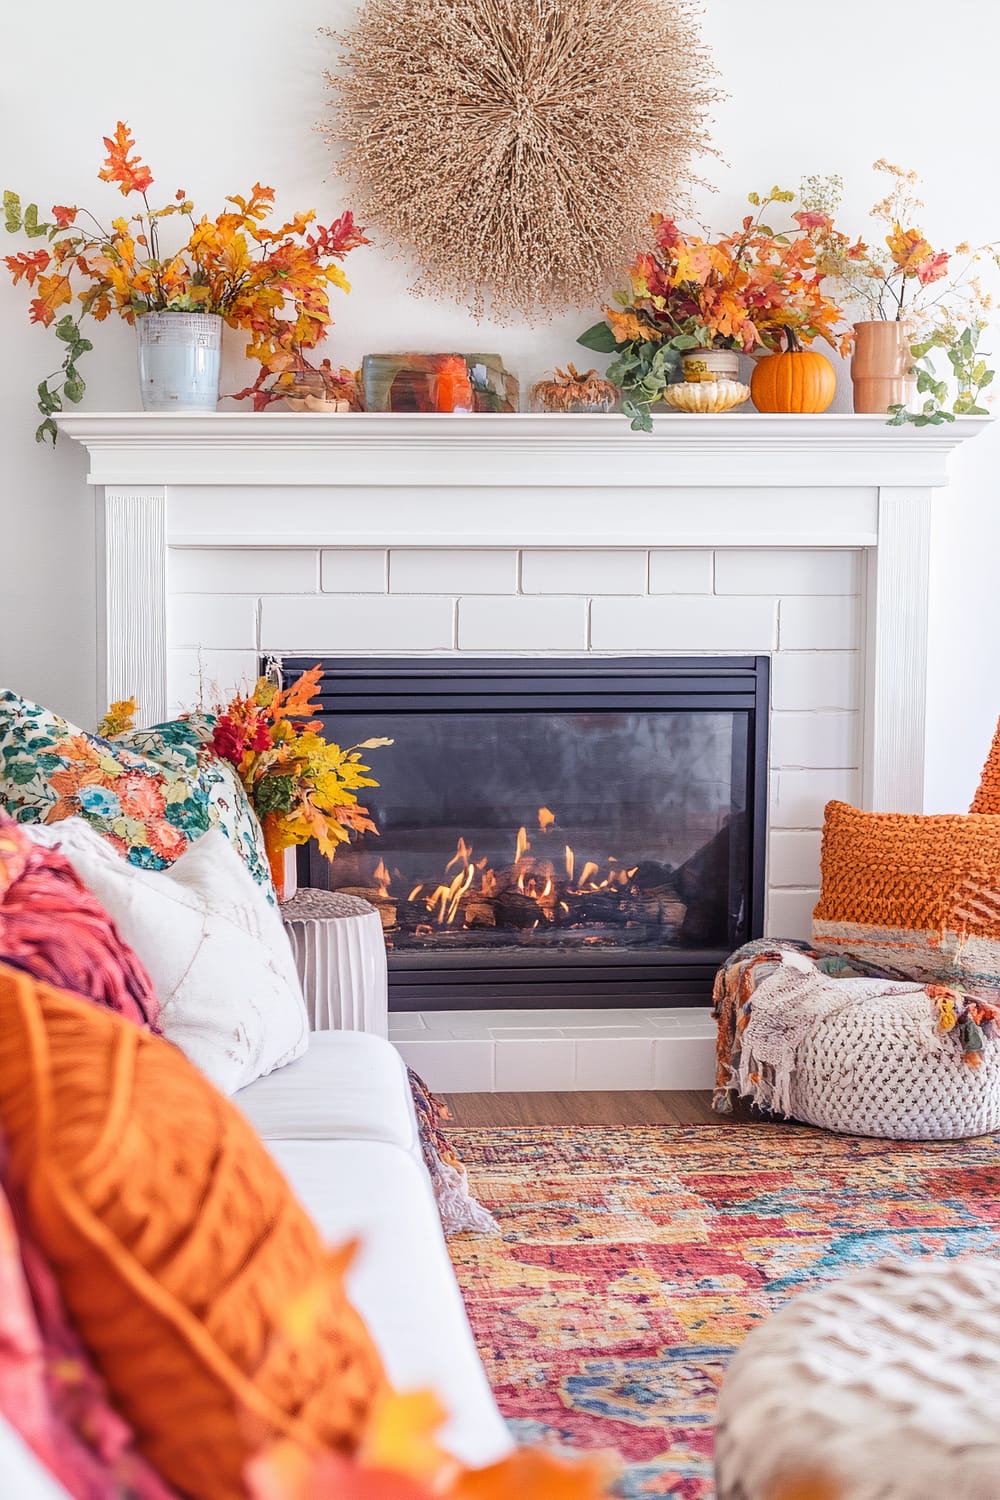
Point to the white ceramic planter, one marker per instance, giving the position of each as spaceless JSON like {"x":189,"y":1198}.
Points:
{"x":179,"y":357}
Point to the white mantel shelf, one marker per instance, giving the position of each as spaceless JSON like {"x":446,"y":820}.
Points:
{"x":737,"y":448}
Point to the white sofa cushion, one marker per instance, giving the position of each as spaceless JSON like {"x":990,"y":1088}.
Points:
{"x":23,"y":1476}
{"x":348,"y":1086}
{"x":214,"y":947}
{"x":401,"y":1282}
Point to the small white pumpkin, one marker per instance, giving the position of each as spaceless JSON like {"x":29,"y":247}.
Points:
{"x":706,"y":395}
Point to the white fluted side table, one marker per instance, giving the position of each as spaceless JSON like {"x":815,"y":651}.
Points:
{"x":340,"y":955}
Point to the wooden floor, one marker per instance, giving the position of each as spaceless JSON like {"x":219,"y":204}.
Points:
{"x":610,"y":1108}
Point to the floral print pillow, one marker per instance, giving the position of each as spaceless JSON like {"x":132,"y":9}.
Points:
{"x":150,"y":792}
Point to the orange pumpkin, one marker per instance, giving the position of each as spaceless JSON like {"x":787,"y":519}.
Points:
{"x":796,"y":381}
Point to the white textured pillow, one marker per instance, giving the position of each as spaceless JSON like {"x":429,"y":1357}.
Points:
{"x":216,"y":951}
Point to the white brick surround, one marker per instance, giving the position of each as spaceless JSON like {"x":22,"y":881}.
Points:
{"x":230,"y":536}
{"x":227,"y":607}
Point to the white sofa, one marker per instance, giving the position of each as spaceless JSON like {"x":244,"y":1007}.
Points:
{"x":341,"y":1124}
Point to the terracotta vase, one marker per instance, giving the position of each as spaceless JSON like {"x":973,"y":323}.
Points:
{"x":281,"y":862}
{"x":880,"y":367}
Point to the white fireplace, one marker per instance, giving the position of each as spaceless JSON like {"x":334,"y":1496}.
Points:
{"x":228,"y":537}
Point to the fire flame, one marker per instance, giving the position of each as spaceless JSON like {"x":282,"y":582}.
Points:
{"x":531,"y":877}
{"x":382,"y":878}
{"x":462,"y":855}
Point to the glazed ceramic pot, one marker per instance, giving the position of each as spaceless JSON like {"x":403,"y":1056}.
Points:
{"x":705,"y":395}
{"x":179,"y":356}
{"x":881,"y":366}
{"x":710,"y":364}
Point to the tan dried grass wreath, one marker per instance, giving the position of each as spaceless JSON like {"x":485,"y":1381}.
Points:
{"x":517,"y":147}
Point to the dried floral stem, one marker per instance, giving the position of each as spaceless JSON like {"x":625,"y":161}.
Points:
{"x":514,"y":146}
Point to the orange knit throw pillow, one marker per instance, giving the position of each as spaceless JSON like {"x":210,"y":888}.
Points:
{"x":200,"y":1287}
{"x":987,"y":798}
{"x":918,"y":897}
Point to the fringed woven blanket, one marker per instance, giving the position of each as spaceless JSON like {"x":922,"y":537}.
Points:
{"x":771,"y":994}
{"x":460,"y":1212}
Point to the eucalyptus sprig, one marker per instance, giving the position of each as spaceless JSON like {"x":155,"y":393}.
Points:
{"x":969,"y":373}
{"x":641,"y":370}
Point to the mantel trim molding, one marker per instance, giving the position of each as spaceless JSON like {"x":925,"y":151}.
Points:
{"x":245,"y":448}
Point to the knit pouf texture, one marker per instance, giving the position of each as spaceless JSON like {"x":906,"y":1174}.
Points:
{"x":987,"y":798}
{"x":883,"y":1386}
{"x":869,"y":1070}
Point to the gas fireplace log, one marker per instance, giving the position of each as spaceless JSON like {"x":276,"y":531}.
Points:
{"x":672,"y":909}
{"x":642,"y":908}
{"x":600,"y":906}
{"x":516,"y":910}
{"x":479,"y":911}
{"x":410,"y":913}
{"x":384,"y":905}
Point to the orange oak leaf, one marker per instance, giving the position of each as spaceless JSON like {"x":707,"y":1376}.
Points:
{"x":62,"y":215}
{"x":53,"y":292}
{"x":296,"y":701}
{"x":129,"y":172}
{"x":27,"y":266}
{"x":401,"y":1437}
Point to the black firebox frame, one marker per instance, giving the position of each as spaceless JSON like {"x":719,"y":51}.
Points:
{"x":576,"y":684}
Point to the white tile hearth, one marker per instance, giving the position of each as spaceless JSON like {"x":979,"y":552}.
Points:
{"x":552,"y":1050}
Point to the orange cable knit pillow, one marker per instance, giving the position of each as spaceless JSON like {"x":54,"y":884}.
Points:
{"x":987,"y":798}
{"x":918,"y":897}
{"x":199,"y":1285}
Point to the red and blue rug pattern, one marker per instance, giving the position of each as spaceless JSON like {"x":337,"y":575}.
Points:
{"x":633,"y":1261}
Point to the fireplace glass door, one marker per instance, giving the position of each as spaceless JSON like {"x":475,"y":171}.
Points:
{"x":555,"y":830}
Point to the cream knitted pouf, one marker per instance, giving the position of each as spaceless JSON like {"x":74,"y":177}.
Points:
{"x":884,"y":1386}
{"x":875,"y":1070}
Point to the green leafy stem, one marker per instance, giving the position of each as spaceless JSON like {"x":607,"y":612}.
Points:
{"x":970,"y":374}
{"x":68,"y":382}
{"x":642,"y":369}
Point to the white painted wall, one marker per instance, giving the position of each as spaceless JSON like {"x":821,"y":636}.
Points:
{"x":221,"y":95}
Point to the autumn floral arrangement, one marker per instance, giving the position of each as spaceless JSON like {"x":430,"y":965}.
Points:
{"x":300,"y":785}
{"x":755,"y":289}
{"x":937,"y":296}
{"x":272,"y":283}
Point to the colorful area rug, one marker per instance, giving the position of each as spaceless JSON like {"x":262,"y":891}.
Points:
{"x":632,"y":1262}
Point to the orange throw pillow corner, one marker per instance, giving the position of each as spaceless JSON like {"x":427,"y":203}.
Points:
{"x":200,"y":1286}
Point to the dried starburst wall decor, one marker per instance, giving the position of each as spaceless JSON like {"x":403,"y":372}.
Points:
{"x":516,"y":147}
